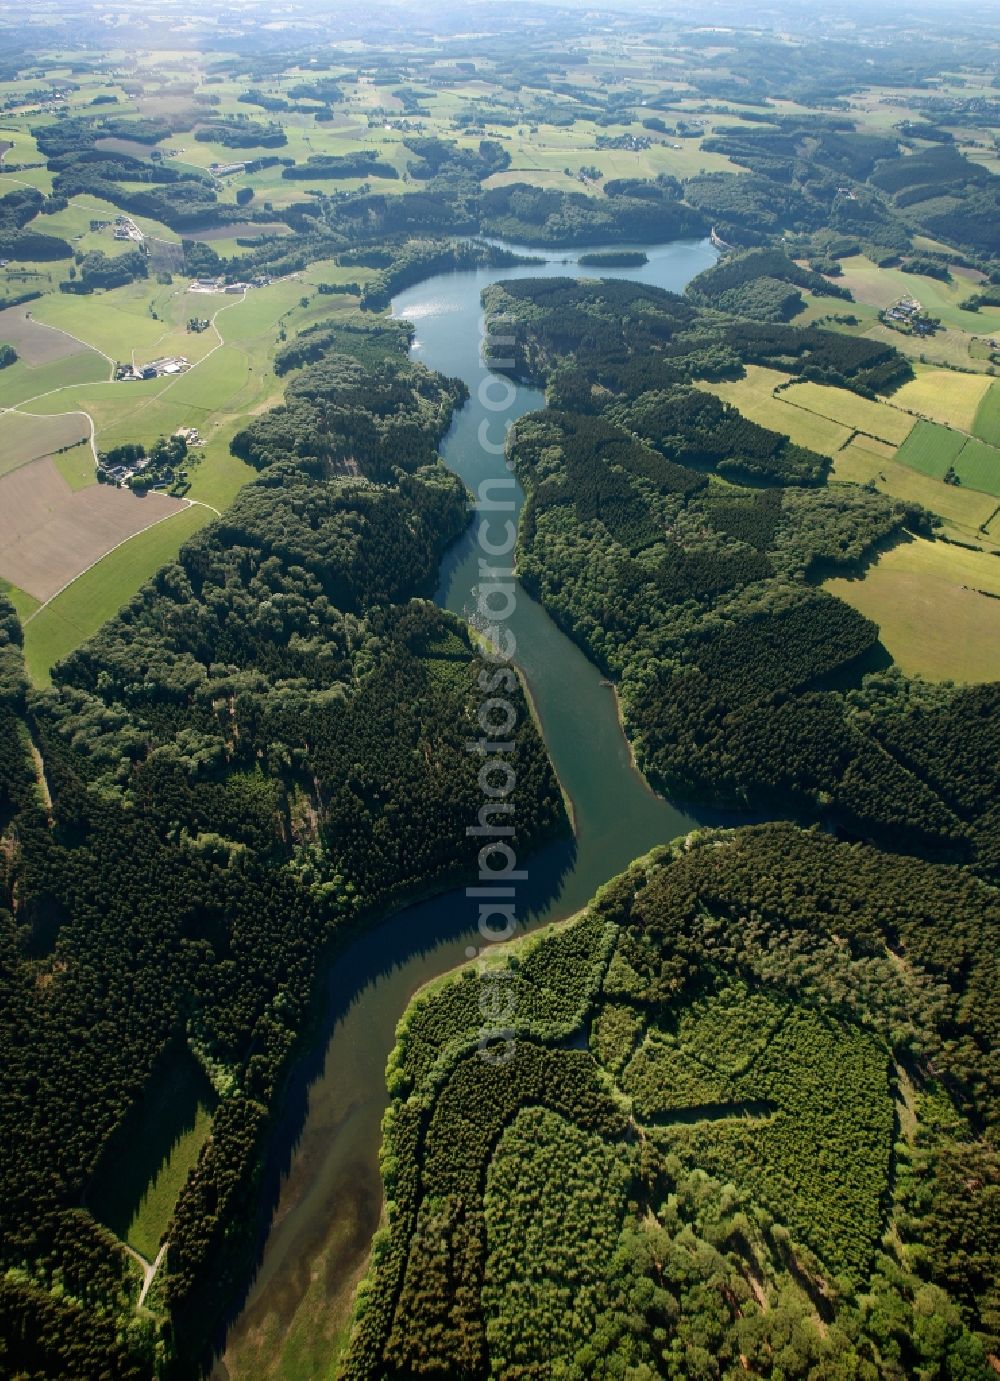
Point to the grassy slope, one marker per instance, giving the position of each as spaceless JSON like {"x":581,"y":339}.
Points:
{"x":964,"y":510}
{"x":77,"y":467}
{"x":930,"y":448}
{"x":24,"y":603}
{"x":753,"y":395}
{"x":944,"y":396}
{"x":883,"y":286}
{"x":986,"y":424}
{"x":933,"y":619}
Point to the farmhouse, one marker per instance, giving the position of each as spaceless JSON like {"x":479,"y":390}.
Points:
{"x":155,"y":369}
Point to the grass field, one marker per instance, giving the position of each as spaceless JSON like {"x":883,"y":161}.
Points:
{"x":964,"y":511}
{"x":115,"y":322}
{"x":933,"y":620}
{"x":77,"y":467}
{"x":986,"y":424}
{"x":881,"y":450}
{"x":24,"y":603}
{"x":35,"y":344}
{"x":948,"y":346}
{"x":944,"y":395}
{"x":881,"y":287}
{"x":27,"y":437}
{"x":144,"y":1169}
{"x":978,"y":466}
{"x":849,"y":410}
{"x":218,"y":475}
{"x":77,"y":613}
{"x":21,"y":382}
{"x":931,"y":448}
{"x":753,"y":396}
{"x":51,"y":531}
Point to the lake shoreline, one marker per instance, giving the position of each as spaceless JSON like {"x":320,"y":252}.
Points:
{"x":329,"y":1192}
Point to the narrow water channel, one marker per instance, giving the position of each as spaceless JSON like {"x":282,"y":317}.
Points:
{"x":327,"y":1190}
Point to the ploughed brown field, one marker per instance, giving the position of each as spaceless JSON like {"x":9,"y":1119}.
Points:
{"x":49,"y":533}
{"x":35,"y":343}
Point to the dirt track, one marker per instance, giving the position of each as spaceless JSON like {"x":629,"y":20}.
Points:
{"x":34,"y":343}
{"x":24,"y":437}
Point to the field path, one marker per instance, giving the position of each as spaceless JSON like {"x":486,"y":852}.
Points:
{"x":81,"y":412}
{"x":70,"y":412}
{"x":79,"y":341}
{"x":149,"y":1269}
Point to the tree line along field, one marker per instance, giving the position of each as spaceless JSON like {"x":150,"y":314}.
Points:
{"x":937,"y":607}
{"x":845,"y":427}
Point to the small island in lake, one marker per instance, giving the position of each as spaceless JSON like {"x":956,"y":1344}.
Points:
{"x":615,"y":259}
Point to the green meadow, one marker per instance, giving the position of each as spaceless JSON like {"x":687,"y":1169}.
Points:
{"x":931,"y":449}
{"x":986,"y":424}
{"x":145,"y":1164}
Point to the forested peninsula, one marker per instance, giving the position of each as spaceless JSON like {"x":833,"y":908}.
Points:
{"x":736,"y":1133}
{"x":740,"y":678}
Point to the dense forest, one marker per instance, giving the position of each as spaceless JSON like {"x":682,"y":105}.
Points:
{"x":744,"y":1126}
{"x":264,"y":749}
{"x":740,"y":679}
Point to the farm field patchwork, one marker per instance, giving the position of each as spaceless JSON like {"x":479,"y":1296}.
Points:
{"x":948,"y":346}
{"x":931,"y":449}
{"x":937,"y":606}
{"x":34,"y":342}
{"x":50,"y":532}
{"x":111,"y":322}
{"x":883,"y":286}
{"x":944,"y":395}
{"x":964,"y":511}
{"x":23,"y":383}
{"x":28,"y":437}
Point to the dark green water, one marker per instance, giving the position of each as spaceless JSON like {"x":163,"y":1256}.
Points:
{"x":327,"y":1191}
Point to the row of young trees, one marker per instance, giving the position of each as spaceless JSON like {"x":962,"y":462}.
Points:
{"x":712,"y":1184}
